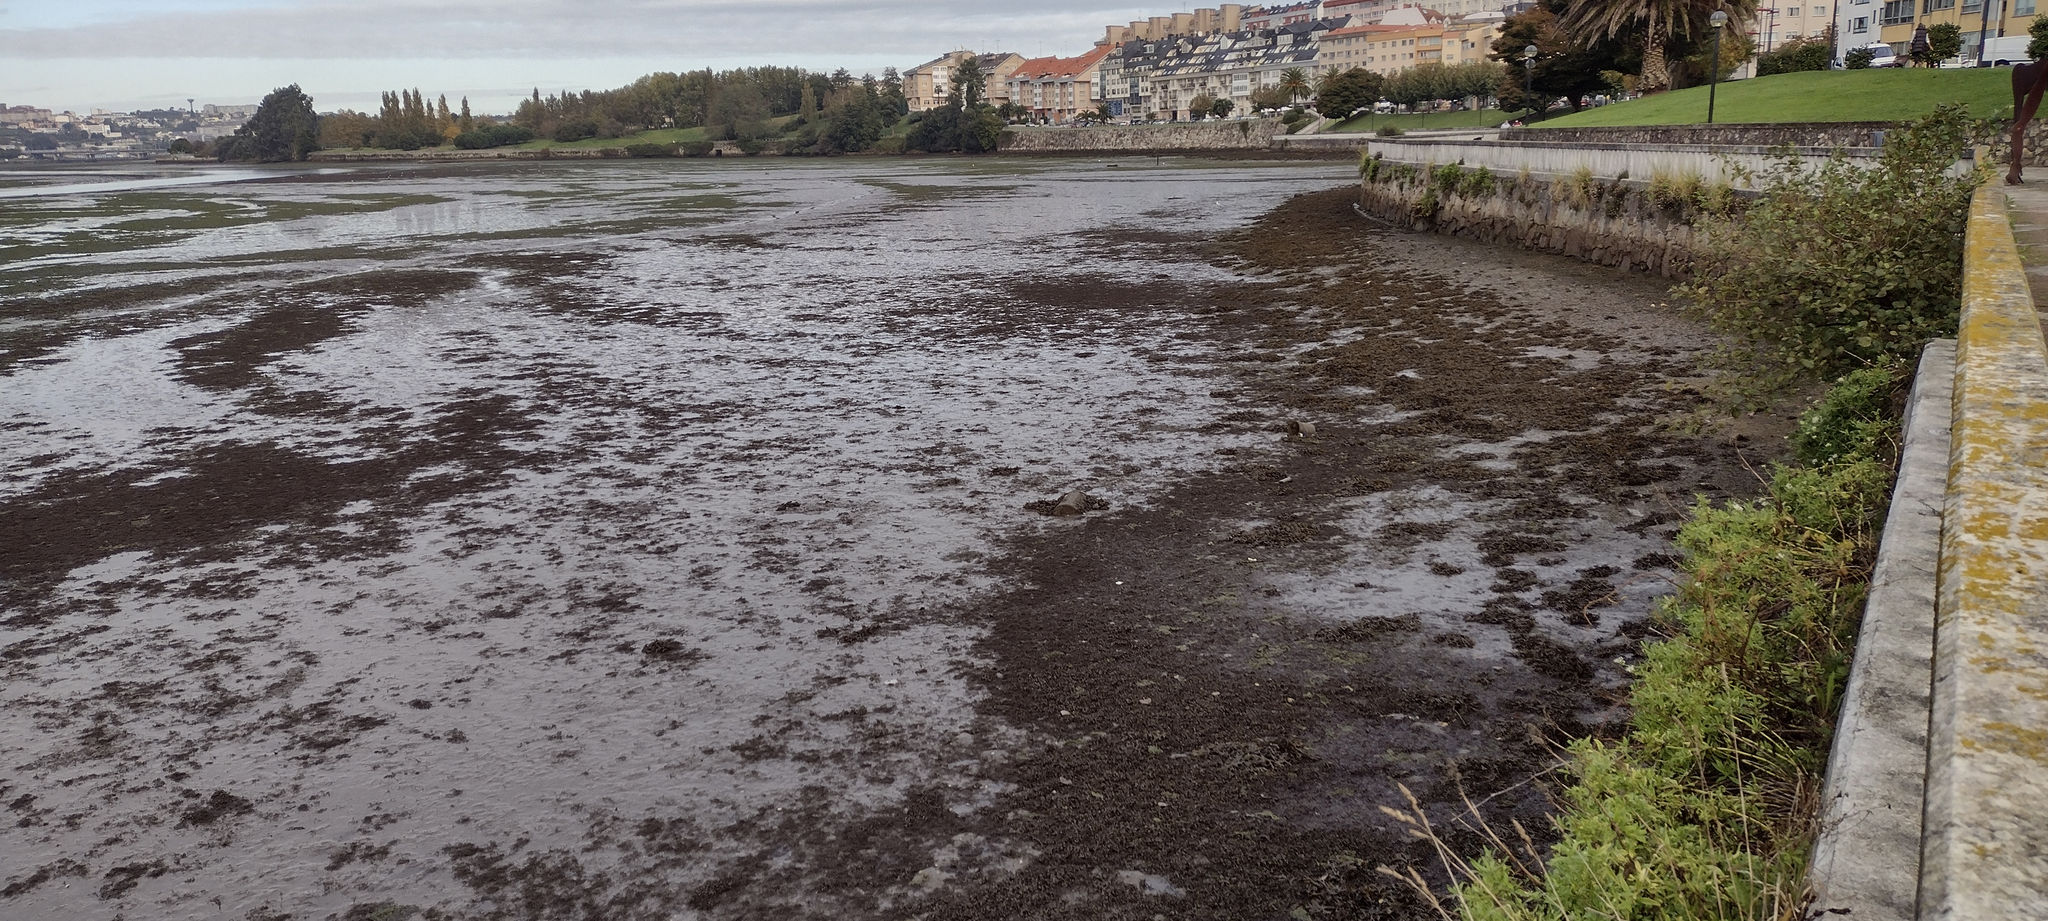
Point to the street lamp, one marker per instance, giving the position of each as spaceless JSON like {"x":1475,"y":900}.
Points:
{"x":1719,"y":19}
{"x":1529,"y":78}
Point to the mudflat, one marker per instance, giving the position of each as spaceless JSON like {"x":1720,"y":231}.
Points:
{"x":668,"y":540}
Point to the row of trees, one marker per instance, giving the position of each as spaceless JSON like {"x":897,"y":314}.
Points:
{"x":735,"y":105}
{"x":405,"y":121}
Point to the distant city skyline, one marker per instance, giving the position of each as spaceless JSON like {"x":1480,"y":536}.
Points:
{"x":125,"y":55}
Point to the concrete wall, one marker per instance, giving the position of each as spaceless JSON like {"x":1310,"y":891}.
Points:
{"x":1825,"y":134}
{"x":1743,"y":166}
{"x":1985,"y":853}
{"x":1609,"y":222}
{"x":1247,"y":134}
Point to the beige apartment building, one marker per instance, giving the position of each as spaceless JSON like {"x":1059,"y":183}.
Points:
{"x":1390,"y":49}
{"x":1228,"y":17}
{"x":1057,"y":89}
{"x":928,"y":86}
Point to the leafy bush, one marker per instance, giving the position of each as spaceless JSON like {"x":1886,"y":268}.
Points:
{"x":1390,"y":131}
{"x":1839,"y":266}
{"x":575,"y":131}
{"x":1799,"y":54}
{"x":487,"y":136}
{"x":1854,"y":420}
{"x":1858,"y":58}
{"x":697,"y":148}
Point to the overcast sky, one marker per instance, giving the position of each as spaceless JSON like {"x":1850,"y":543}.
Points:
{"x":123,"y":55}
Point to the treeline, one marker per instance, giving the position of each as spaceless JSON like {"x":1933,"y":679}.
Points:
{"x":736,"y":105}
{"x":405,"y":121}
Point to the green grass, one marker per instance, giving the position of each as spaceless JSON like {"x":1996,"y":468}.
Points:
{"x":1891,"y":94}
{"x":661,"y":136}
{"x":1480,"y":118}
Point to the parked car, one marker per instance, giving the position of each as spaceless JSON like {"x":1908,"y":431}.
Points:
{"x":1882,"y":55}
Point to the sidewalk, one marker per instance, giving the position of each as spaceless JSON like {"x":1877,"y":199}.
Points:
{"x":2028,"y":204}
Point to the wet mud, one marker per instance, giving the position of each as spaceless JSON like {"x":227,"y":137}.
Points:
{"x":700,"y":571}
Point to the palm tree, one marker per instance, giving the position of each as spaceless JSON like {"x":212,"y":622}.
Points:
{"x":1294,"y":81}
{"x":1660,"y":20}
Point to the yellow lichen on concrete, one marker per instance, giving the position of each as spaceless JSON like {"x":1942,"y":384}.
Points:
{"x":1986,"y":850}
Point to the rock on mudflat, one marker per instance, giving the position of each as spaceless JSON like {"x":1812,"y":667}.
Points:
{"x":1150,"y":884}
{"x":1073,"y":503}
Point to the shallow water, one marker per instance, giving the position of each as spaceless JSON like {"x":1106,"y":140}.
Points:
{"x":382,"y":518}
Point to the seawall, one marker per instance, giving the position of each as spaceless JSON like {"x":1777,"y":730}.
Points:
{"x":1625,"y":223}
{"x":1243,"y":134}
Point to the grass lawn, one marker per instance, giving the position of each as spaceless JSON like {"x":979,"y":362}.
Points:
{"x":1890,"y":94}
{"x":662,"y":136}
{"x":1481,"y":118}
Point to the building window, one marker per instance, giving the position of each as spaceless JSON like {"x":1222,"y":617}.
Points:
{"x":1859,"y":25}
{"x":1896,"y":12}
{"x":1971,"y":6}
{"x":2023,"y":7}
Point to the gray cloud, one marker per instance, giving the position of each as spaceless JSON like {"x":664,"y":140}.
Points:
{"x":541,"y":29}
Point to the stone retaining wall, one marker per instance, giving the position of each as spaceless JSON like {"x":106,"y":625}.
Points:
{"x":1619,"y":223}
{"x":1246,"y":134}
{"x":1824,"y":134}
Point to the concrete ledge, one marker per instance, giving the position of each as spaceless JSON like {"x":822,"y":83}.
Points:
{"x":1866,"y":858}
{"x":1985,"y":854}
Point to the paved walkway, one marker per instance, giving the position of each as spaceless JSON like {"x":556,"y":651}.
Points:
{"x":2029,"y":207}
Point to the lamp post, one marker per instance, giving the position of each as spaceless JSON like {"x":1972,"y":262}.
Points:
{"x":1529,"y":79}
{"x":1719,"y":19}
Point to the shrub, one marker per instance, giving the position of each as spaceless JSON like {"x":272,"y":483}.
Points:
{"x":1390,"y":131}
{"x":697,"y":148}
{"x":1858,"y":58}
{"x":486,"y":136}
{"x":1479,"y":182}
{"x":651,"y":150}
{"x":1854,"y":420}
{"x":1673,"y":192}
{"x":1799,"y":54}
{"x":575,"y":131}
{"x":1839,"y":266}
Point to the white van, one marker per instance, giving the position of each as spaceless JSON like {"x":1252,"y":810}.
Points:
{"x":2006,"y":50}
{"x":1881,"y":55}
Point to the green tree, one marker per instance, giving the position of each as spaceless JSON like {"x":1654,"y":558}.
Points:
{"x":970,"y":85}
{"x":1348,"y":92}
{"x":1294,"y":82}
{"x":1564,"y":66}
{"x":1858,"y":58}
{"x":2037,"y":46}
{"x":1268,"y":97}
{"x":1221,"y":107}
{"x":284,"y":128}
{"x":1944,"y":41}
{"x":1198,"y":107}
{"x":892,"y":93}
{"x":1659,"y":22}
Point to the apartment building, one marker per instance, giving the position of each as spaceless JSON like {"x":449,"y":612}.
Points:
{"x":1161,"y":79}
{"x":1055,"y":90}
{"x":928,"y":86}
{"x":1893,"y":22}
{"x":1228,"y":17}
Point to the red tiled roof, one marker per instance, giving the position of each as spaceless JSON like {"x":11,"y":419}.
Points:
{"x":1042,"y":68}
